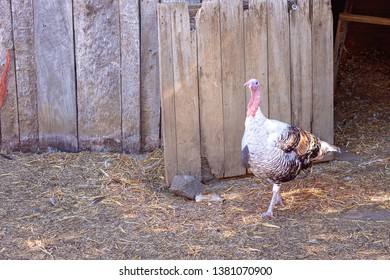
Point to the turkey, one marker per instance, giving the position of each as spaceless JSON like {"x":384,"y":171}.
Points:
{"x":275,"y":150}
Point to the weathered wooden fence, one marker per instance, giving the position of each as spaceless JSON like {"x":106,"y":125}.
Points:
{"x":74,"y":83}
{"x":203,"y":69}
{"x":84,"y":75}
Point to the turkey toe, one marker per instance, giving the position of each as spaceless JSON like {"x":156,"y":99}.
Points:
{"x":267,"y":214}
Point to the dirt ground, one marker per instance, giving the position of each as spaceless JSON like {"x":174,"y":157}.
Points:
{"x":114,"y":206}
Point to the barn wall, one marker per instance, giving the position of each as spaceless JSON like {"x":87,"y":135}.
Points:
{"x":85,"y":75}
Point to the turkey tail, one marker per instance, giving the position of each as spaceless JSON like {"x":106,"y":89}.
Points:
{"x":326,"y":148}
{"x":307,"y":146}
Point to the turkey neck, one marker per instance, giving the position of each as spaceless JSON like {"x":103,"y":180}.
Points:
{"x":254,"y":104}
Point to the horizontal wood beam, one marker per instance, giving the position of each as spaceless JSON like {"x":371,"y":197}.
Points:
{"x":364,"y":19}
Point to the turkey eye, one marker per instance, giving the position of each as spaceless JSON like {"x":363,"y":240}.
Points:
{"x":257,"y":83}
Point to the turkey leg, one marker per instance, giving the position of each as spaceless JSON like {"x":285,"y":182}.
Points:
{"x":275,"y":200}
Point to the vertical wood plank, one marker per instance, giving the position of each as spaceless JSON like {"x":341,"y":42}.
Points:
{"x":210,"y":86}
{"x":167,"y":91}
{"x":98,"y":74}
{"x":186,"y":92}
{"x":150,"y":103}
{"x":53,"y":39}
{"x":301,"y":65}
{"x":278,"y":61}
{"x":23,"y":27}
{"x":130,"y":76}
{"x":322,"y":36}
{"x":9,"y":128}
{"x":233,"y":77}
{"x":256,"y":59}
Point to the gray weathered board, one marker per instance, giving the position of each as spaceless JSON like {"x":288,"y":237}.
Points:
{"x":256,"y":45}
{"x":179,"y":91}
{"x":301,"y":65}
{"x":98,"y":74}
{"x":167,"y":92}
{"x":23,"y":36}
{"x":9,"y":126}
{"x":278,"y":61}
{"x":130,"y":76}
{"x":233,"y":75}
{"x":323,"y":85}
{"x":150,"y":102}
{"x":210,"y":86}
{"x":56,"y":79}
{"x":289,"y":51}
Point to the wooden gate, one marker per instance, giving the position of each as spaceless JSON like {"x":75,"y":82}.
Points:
{"x":205,"y":61}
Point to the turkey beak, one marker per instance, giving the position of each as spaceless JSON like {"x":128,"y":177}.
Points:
{"x":248,"y":84}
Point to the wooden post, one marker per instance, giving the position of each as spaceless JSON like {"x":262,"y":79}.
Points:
{"x":210,"y":86}
{"x":179,"y":91}
{"x":167,"y":91}
{"x":98,"y":61}
{"x":54,"y":47}
{"x":301,"y":65}
{"x":130,"y":76}
{"x":186,"y":92}
{"x":150,"y":102}
{"x":233,"y":78}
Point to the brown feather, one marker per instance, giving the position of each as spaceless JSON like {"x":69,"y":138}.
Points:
{"x":305,"y":145}
{"x":299,"y":140}
{"x":308,"y":142}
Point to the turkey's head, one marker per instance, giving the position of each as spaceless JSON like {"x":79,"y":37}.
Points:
{"x":253,"y":85}
{"x":253,"y":105}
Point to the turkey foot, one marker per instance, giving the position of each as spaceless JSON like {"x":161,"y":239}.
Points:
{"x":275,"y":200}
